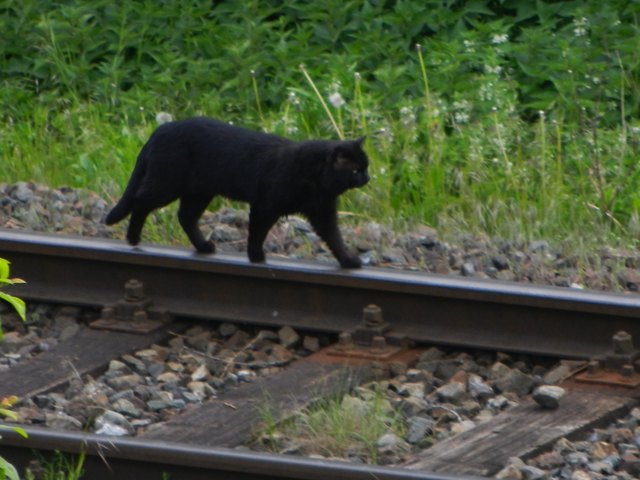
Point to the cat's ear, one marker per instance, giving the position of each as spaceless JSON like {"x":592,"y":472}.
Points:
{"x":339,"y":158}
{"x":361,"y":140}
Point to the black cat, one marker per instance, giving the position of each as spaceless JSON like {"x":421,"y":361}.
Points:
{"x":196,"y":159}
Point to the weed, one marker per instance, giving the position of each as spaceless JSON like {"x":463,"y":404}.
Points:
{"x":456,"y":137}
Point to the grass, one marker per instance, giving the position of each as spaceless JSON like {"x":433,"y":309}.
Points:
{"x":344,"y":426}
{"x":475,"y":120}
{"x":58,"y":466}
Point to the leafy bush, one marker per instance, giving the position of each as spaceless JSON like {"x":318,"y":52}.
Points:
{"x":6,"y":469}
{"x":512,"y":118}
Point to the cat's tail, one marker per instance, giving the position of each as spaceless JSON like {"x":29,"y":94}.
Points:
{"x":125,"y":205}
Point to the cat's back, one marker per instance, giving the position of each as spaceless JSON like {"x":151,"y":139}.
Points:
{"x":205,"y":134}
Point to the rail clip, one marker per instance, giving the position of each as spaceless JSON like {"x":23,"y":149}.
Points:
{"x":370,"y":339}
{"x":619,"y":367}
{"x":133,"y":313}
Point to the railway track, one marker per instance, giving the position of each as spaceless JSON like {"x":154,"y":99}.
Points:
{"x":173,"y":284}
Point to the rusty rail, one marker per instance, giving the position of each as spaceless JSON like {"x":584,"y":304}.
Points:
{"x":445,"y":310}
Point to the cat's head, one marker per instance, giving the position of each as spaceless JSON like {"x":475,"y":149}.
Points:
{"x":348,"y":165}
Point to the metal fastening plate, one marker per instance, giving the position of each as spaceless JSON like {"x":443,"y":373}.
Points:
{"x":365,"y":352}
{"x":367,"y":340}
{"x":610,"y":377}
{"x":618,"y":367}
{"x":132,"y":313}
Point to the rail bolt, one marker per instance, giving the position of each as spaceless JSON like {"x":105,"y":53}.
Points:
{"x":627,"y":370}
{"x":372,"y":316}
{"x":108,"y":315}
{"x":140,"y":319}
{"x":345,"y":339}
{"x":133,"y":290}
{"x":622,"y":342}
{"x":593,"y":367}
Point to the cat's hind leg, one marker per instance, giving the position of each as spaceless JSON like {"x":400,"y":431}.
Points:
{"x":143,"y":206}
{"x":190,"y":211}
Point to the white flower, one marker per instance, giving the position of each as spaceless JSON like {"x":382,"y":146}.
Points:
{"x":163,"y":117}
{"x":580,"y":26}
{"x":407,"y":116}
{"x":499,"y":38}
{"x":469,"y":45}
{"x":495,"y":70}
{"x":293,"y":99}
{"x":336,"y":100}
{"x":461,"y":117}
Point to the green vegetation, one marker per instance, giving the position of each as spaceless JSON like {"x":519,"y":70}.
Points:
{"x":515,"y":119}
{"x":344,"y":426}
{"x":58,"y":466}
{"x":7,"y":471}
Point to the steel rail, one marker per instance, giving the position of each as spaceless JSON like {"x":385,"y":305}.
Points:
{"x":440,"y":309}
{"x":132,"y":459}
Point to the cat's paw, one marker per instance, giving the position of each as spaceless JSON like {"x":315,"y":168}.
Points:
{"x":351,"y":261}
{"x":256,"y":256}
{"x":206,"y":247}
{"x":133,"y":240}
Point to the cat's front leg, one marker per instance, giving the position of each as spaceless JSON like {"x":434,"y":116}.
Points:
{"x":326,"y":225}
{"x":260,"y":222}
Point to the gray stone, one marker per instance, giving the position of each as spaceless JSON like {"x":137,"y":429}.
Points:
{"x":390,"y":443}
{"x":68,"y":332}
{"x":116,"y":366}
{"x":463,"y":426}
{"x":412,"y":406}
{"x":499,"y":402}
{"x":311,"y":343}
{"x":200,"y":373}
{"x":548,"y":396}
{"x":169,"y":377}
{"x":577,"y":458}
{"x":126,"y":407}
{"x":226,"y":233}
{"x":22,"y":193}
{"x":135,"y":363}
{"x":532,"y":473}
{"x":113,"y":423}
{"x":516,"y":382}
{"x":227,"y":329}
{"x":556,"y":374}
{"x":237,"y":340}
{"x":61,"y":421}
{"x":124,"y":381}
{"x":412,"y":389}
{"x":158,"y":404}
{"x":280,"y":355}
{"x":12,"y":342}
{"x":418,"y":428}
{"x":246,"y":375}
{"x":453,"y":392}
{"x":499,"y":370}
{"x":288,"y":337}
{"x":199,"y":341}
{"x":468,"y":269}
{"x":478,"y":388}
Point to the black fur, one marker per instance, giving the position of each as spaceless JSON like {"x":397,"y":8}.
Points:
{"x":196,"y":159}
